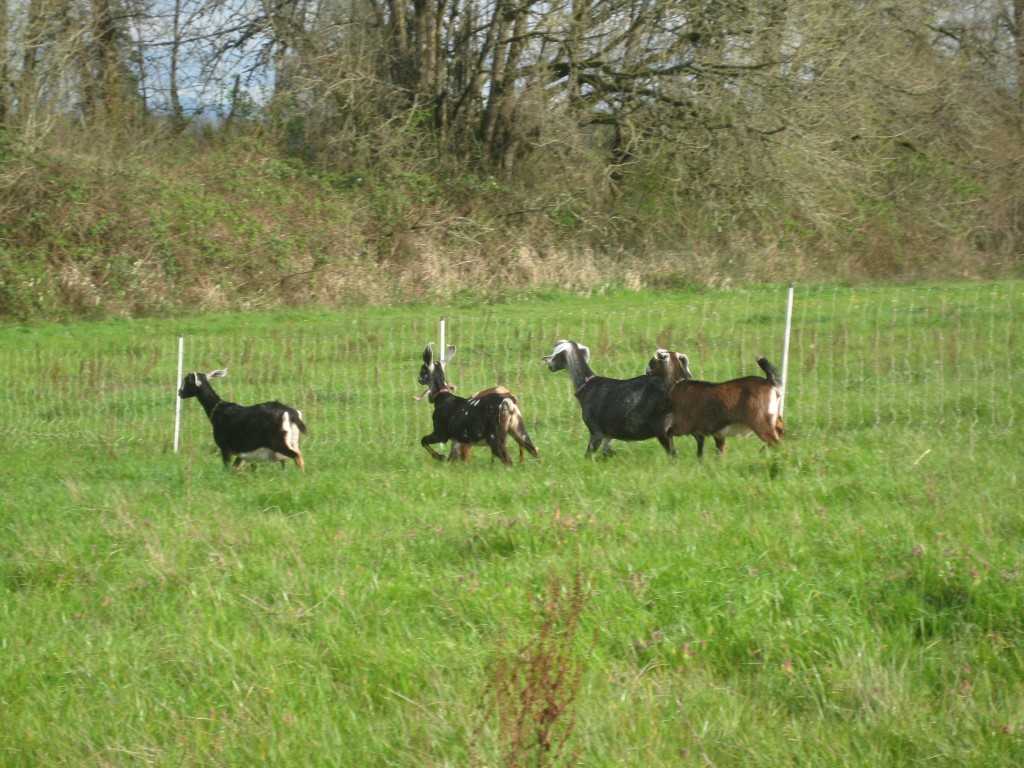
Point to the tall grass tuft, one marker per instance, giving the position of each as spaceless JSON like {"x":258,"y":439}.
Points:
{"x":534,"y":688}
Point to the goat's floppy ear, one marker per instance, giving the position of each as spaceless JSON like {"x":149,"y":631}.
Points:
{"x":586,"y":353}
{"x":220,"y":373}
{"x":448,"y":355}
{"x":684,"y":365}
{"x":428,"y":354}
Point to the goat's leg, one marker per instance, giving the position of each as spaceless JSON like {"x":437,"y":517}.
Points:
{"x":720,"y":444}
{"x":518,"y":431}
{"x":700,"y":445}
{"x":460,"y":451}
{"x":668,"y":444}
{"x":427,"y":442}
{"x":498,"y":449}
{"x":515,"y":432}
{"x":525,"y":443}
{"x":298,"y":460}
{"x":528,"y":444}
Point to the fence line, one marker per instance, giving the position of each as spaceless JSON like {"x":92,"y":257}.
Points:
{"x":858,"y":358}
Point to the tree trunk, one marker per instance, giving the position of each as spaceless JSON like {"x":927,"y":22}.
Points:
{"x":1017,"y":31}
{"x":107,"y":63}
{"x":177,"y":113}
{"x":27,"y":84}
{"x":5,"y":83}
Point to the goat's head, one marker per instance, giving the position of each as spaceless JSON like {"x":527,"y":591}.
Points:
{"x":432,"y":372}
{"x":670,"y":366}
{"x":557,"y":360}
{"x":194,"y":382}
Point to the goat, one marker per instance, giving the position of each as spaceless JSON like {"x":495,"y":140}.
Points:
{"x":265,"y":432}
{"x":735,"y":407}
{"x":620,"y":409}
{"x":467,"y":421}
{"x":515,"y":427}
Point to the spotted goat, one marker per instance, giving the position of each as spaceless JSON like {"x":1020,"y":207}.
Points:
{"x":489,"y":416}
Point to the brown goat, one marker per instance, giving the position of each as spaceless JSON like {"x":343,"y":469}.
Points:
{"x":734,"y":407}
{"x":512,"y":423}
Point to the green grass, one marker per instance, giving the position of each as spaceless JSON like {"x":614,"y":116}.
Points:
{"x":853,"y":598}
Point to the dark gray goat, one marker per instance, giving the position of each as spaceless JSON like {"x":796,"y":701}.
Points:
{"x":264,"y":432}
{"x":615,"y":409}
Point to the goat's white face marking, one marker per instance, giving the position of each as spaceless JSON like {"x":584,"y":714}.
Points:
{"x":666,"y":363}
{"x":658,"y":365}
{"x":565,"y":347}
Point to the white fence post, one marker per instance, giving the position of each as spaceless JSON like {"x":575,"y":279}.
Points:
{"x":177,"y":383}
{"x":785,"y":348}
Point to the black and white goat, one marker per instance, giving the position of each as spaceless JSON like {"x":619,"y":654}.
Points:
{"x":515,"y":427}
{"x":734,"y":407}
{"x":265,"y":432}
{"x":619,"y":409}
{"x":488,"y":417}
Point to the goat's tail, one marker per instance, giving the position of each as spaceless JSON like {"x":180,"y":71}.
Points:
{"x":770,"y":372}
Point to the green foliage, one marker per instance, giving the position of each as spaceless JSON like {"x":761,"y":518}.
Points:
{"x":9,"y":147}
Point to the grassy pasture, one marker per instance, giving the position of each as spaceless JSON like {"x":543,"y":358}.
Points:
{"x":853,"y":598}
